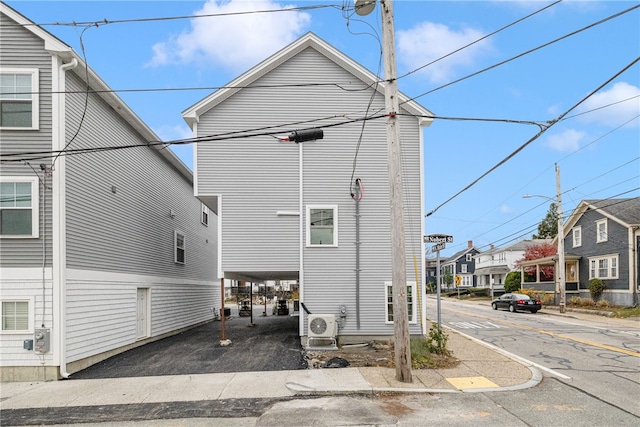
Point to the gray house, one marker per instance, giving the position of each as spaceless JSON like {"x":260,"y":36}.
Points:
{"x":462,"y":265}
{"x":605,"y":235}
{"x":100,"y":251}
{"x":299,"y":211}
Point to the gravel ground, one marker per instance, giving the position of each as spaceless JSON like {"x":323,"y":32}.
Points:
{"x":272,"y":344}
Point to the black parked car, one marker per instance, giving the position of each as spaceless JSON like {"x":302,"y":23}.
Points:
{"x":515,"y":302}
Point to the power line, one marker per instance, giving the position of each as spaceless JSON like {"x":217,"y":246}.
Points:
{"x":536,"y":136}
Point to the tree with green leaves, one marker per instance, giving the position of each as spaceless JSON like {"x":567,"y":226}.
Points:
{"x":512,"y":282}
{"x":548,"y":228}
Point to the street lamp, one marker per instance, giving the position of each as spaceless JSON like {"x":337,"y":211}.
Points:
{"x":560,"y":236}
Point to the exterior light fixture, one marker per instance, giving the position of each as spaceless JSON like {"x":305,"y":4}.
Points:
{"x":364,"y":7}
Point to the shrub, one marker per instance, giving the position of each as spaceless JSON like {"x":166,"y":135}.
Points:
{"x":512,"y":282}
{"x":596,"y":287}
{"x":603,"y":303}
{"x":437,"y":340}
{"x":534,"y":294}
{"x":575,"y":301}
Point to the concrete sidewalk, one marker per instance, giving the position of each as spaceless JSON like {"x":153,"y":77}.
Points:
{"x":480,"y":369}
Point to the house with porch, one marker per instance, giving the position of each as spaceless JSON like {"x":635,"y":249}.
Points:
{"x":102,"y":248}
{"x":492,"y":266}
{"x":602,"y":240}
{"x":294,"y":210}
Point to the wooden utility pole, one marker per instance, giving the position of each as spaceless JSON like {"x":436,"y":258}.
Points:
{"x":396,"y":199}
{"x":562,"y":282}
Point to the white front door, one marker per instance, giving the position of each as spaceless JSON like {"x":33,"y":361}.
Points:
{"x":142,"y":313}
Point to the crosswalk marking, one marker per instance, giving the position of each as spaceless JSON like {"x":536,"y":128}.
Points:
{"x":476,"y":325}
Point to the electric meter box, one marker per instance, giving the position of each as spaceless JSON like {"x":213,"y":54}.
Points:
{"x":41,"y":340}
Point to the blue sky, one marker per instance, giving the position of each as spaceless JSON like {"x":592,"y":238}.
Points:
{"x":597,"y":146}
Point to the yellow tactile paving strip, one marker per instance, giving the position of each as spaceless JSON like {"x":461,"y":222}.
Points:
{"x":466,"y":383}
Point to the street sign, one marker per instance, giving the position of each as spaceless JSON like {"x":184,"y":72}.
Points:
{"x":458,"y":280}
{"x":438,"y":247}
{"x":437,"y":238}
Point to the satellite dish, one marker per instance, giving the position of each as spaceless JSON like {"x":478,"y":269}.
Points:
{"x":364,"y":7}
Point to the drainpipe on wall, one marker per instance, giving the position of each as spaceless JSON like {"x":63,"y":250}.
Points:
{"x":59,"y":214}
{"x":634,"y":236}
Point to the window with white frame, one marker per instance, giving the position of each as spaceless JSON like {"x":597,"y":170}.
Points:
{"x":19,"y":101}
{"x":467,"y":281}
{"x":204,"y":217}
{"x":601,"y":230}
{"x":179,"y":247}
{"x":322,"y":226}
{"x":15,"y":316}
{"x":468,"y":257}
{"x":411,"y":306}
{"x":604,"y":267}
{"x":577,"y":236}
{"x":19,"y":207}
{"x":463,"y":268}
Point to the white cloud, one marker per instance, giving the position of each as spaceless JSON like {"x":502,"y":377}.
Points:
{"x":235,"y":42}
{"x":506,"y":209}
{"x":566,"y":141}
{"x":429,"y":41}
{"x":621,"y":102}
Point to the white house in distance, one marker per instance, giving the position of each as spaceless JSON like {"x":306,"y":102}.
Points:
{"x":492,"y":266}
{"x":286,"y":210}
{"x":100,"y":251}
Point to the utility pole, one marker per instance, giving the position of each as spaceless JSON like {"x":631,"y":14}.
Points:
{"x":396,"y":200}
{"x":560,"y":236}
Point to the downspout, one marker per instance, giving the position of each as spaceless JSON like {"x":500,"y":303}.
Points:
{"x":358,"y":264}
{"x":633,"y":261}
{"x":302,"y":243}
{"x":59,"y":213}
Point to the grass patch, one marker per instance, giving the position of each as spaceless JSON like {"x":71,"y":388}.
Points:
{"x":431,"y":352}
{"x":626,"y":312}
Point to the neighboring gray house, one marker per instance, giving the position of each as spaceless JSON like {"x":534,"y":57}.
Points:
{"x":492,"y":266}
{"x":285,"y":210}
{"x":605,"y":234}
{"x":460,"y":264}
{"x":100,"y":251}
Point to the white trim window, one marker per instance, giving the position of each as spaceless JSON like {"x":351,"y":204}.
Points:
{"x":601,"y":231}
{"x":179,"y":247}
{"x":411,"y":304}
{"x":604,"y":267}
{"x":19,"y":100}
{"x":19,"y":213}
{"x":204,"y":215}
{"x":15,"y":316}
{"x":468,"y":257}
{"x":463,"y":268}
{"x":577,"y":236}
{"x":322,"y":226}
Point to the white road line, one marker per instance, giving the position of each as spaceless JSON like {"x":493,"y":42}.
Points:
{"x":515,"y":357}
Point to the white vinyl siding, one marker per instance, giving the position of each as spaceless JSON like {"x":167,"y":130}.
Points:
{"x":322,"y":226}
{"x":15,"y":316}
{"x":19,"y":100}
{"x":577,"y":236}
{"x":411,"y":305}
{"x":601,"y":231}
{"x":19,"y":207}
{"x":605,"y":267}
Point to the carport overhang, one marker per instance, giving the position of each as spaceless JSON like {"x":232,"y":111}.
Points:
{"x":261,"y":276}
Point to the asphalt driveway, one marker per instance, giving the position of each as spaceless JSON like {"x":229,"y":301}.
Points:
{"x":272,"y":344}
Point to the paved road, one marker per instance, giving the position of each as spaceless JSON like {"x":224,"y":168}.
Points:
{"x":599,"y":356}
{"x":272,"y":344}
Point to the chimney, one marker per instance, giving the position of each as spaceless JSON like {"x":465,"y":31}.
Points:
{"x":469,"y":244}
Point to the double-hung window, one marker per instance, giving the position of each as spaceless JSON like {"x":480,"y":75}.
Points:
{"x":19,"y":207}
{"x":179,"y":247}
{"x":322,"y":226}
{"x":204,"y":216}
{"x":601,"y":231}
{"x":15,"y":316}
{"x":604,"y":267}
{"x":577,"y":236}
{"x":411,"y":306}
{"x":19,"y":100}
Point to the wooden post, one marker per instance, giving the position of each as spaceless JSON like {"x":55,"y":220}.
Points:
{"x":396,"y":200}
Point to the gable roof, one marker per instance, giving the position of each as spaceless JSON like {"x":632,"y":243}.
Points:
{"x":91,"y":78}
{"x":624,"y":211}
{"x":458,"y":255}
{"x":309,"y":40}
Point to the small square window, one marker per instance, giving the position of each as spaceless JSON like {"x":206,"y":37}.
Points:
{"x":15,"y":316}
{"x":19,"y":207}
{"x":19,"y":100}
{"x":322,"y":226}
{"x":179,"y":245}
